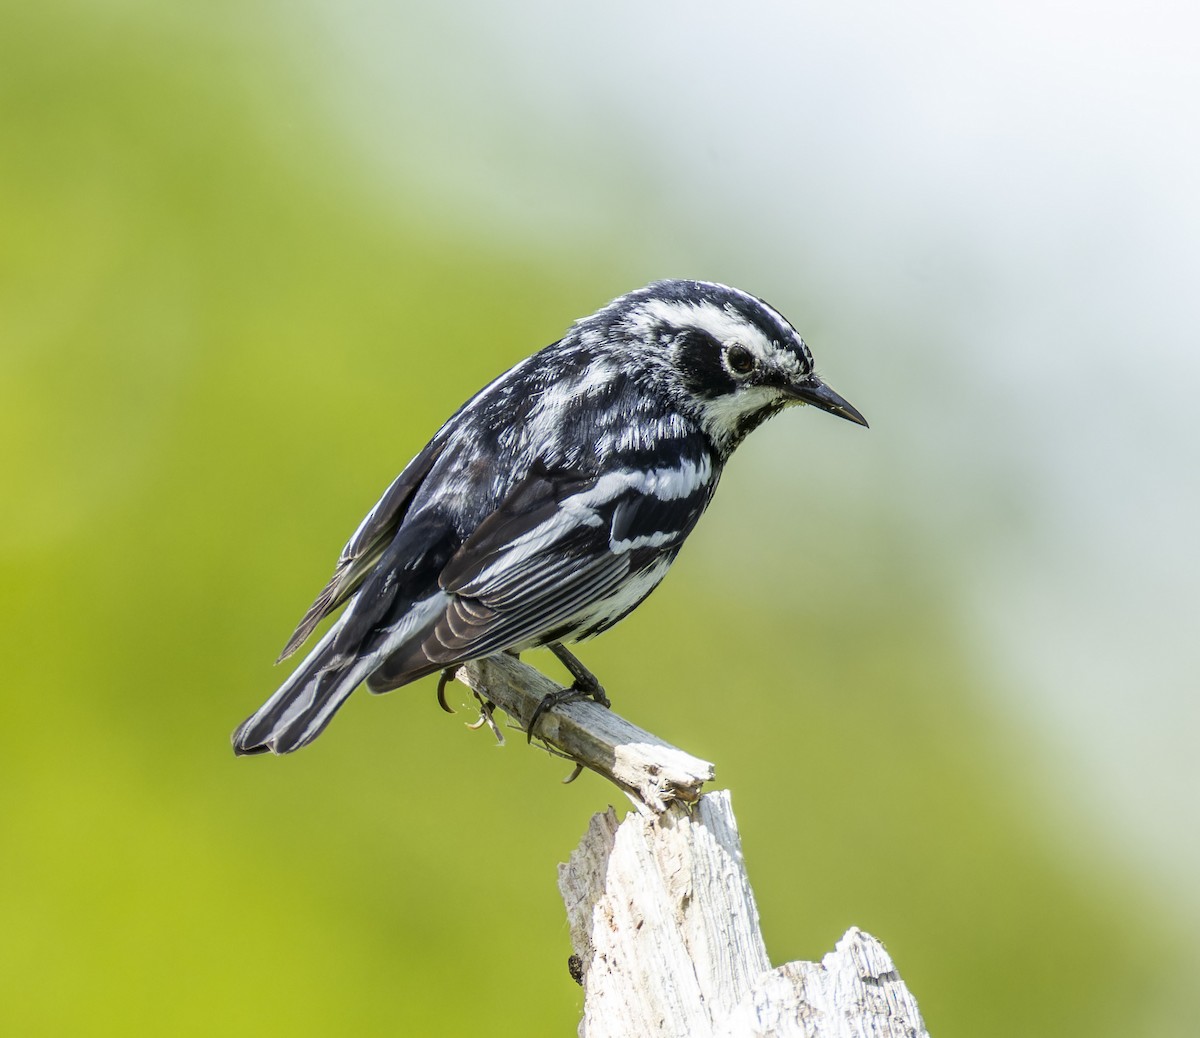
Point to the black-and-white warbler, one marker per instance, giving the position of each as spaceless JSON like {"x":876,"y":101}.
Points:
{"x":552,"y":503}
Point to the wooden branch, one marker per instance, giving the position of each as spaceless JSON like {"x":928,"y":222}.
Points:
{"x":652,"y":772}
{"x":662,"y":917}
{"x":666,"y":931}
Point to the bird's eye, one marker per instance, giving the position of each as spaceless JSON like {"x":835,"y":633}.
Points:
{"x":740,"y":360}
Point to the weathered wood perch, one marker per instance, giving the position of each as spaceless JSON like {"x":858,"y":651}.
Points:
{"x":652,"y":772}
{"x":665,"y":925}
{"x":662,"y":918}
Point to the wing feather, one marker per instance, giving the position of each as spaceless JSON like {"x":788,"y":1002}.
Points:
{"x":559,"y":544}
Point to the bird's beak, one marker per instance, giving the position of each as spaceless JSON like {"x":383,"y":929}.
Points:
{"x":811,"y":390}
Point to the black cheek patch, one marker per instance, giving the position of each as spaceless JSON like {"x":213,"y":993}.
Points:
{"x":700,"y":364}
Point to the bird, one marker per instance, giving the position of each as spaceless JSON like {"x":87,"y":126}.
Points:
{"x":549,"y":505}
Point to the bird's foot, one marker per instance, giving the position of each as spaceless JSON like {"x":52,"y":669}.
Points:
{"x":585,"y":686}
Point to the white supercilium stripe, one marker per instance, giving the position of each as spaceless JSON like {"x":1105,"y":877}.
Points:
{"x":723,"y":324}
{"x":727,"y":326}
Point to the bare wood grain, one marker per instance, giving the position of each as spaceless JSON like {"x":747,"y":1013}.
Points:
{"x":665,"y":925}
{"x":651,"y":771}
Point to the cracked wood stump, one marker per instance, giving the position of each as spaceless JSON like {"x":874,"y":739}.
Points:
{"x":661,"y":914}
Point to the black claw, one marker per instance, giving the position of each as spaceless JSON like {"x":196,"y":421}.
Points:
{"x":446,"y":677}
{"x":550,"y":699}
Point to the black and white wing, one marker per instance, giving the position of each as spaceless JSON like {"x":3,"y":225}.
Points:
{"x":367,"y":546}
{"x":389,"y":605}
{"x":564,"y":556}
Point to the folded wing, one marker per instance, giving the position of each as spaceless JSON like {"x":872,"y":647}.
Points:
{"x":559,"y":548}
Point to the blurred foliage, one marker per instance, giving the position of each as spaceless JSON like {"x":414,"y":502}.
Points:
{"x":216,"y":351}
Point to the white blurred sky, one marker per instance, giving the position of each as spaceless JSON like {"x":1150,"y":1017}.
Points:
{"x":1012,"y":187}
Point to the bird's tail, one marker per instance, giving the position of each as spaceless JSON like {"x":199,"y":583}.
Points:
{"x":304,"y":704}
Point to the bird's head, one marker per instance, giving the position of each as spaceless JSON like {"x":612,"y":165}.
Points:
{"x":734,"y":360}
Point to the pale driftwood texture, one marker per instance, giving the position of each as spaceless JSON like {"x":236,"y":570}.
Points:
{"x":653,"y":772}
{"x":665,"y":925}
{"x":661,"y":913}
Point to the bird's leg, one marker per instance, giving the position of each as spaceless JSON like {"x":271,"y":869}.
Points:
{"x":585,"y":681}
{"x":585,"y":687}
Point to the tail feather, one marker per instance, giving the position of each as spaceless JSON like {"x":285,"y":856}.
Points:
{"x":304,"y":704}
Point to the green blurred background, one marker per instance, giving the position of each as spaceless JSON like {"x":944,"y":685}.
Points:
{"x":252,"y":254}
